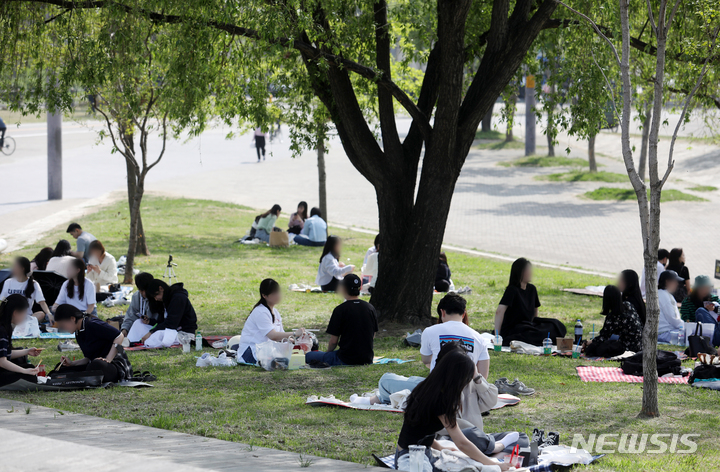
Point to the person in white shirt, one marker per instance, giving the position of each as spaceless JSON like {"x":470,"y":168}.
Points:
{"x":61,"y":258}
{"x":372,"y":250}
{"x":332,"y":270}
{"x":102,"y":268}
{"x":22,"y":283}
{"x":663,"y":258}
{"x":370,"y":267}
{"x":77,"y":290}
{"x":264,"y":322}
{"x":669,"y":320}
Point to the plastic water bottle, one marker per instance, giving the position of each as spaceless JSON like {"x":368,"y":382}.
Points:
{"x":578,"y":331}
{"x":681,"y":338}
{"x":198,"y":341}
{"x":547,"y":346}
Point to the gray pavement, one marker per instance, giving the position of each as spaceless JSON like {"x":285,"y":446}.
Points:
{"x":499,"y":210}
{"x":47,"y":441}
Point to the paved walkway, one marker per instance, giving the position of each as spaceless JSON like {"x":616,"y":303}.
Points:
{"x":46,"y":441}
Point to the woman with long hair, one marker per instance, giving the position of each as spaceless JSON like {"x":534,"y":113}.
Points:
{"x":264,"y":322}
{"x":442,"y":276}
{"x":176,"y":313}
{"x":331,"y":270}
{"x":516,"y":318}
{"x":265,"y":223}
{"x":676,"y":262}
{"x":629,"y":285}
{"x":102,"y":268}
{"x":23,"y":283}
{"x":13,"y":311}
{"x":435,"y":404}
{"x":670,"y":319}
{"x":61,"y":258}
{"x":77,"y":290}
{"x":622,"y":320}
{"x":41,"y":259}
{"x":297,"y":219}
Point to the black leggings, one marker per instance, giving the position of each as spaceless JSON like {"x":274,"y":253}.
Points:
{"x":260,"y":146}
{"x":7,"y":377}
{"x":110,"y":372}
{"x":331,"y":286}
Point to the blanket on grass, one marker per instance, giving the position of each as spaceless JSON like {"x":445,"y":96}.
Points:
{"x":25,"y":386}
{"x":615,"y":374}
{"x":49,"y":336}
{"x":314,"y":400}
{"x":589,"y":291}
{"x":207,"y":342}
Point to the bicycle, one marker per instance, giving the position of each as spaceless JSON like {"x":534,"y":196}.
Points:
{"x":8,"y":146}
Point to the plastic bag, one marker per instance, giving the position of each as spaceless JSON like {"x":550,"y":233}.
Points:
{"x":29,"y":329}
{"x":272,"y":355}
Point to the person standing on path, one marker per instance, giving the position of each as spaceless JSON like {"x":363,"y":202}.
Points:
{"x":259,"y":138}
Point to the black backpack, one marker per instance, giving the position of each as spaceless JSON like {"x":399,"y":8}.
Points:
{"x":667,"y":363}
{"x":703,"y":372}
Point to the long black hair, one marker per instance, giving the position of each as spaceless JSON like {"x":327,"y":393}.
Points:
{"x":154,"y":288}
{"x":62,"y":248}
{"x":330,"y":247}
{"x":24,"y":263}
{"x":441,"y":392}
{"x":80,"y":265}
{"x":267,"y":287}
{"x":41,"y":258}
{"x":304,"y":214}
{"x":612,"y":301}
{"x":516,"y":272}
{"x":10,"y":305}
{"x":674,"y":263}
{"x":632,"y":292}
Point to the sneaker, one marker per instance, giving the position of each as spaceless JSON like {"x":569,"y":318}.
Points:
{"x":552,"y":439}
{"x":68,"y":346}
{"x":514,"y":388}
{"x":465,"y":291}
{"x":538,"y":436}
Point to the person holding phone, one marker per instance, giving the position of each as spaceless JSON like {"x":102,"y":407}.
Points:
{"x":13,"y":311}
{"x":102,"y":267}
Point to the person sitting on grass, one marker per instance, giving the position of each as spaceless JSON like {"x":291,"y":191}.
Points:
{"x":352,"y":328}
{"x":41,"y":259}
{"x":102,"y":268}
{"x":61,"y":259}
{"x":516,"y":318}
{"x":676,"y":262}
{"x":701,"y":305}
{"x":331,"y":270}
{"x":442,"y":278}
{"x":669,"y":314}
{"x":662,"y":261}
{"x":77,"y":290}
{"x":297,"y":219}
{"x":13,"y":311}
{"x":435,"y":405}
{"x":139,"y":318}
{"x":264,"y":322}
{"x":176,"y":314}
{"x":83,"y":241}
{"x":372,"y":250}
{"x":264,"y":224}
{"x":22,"y":283}
{"x":100,"y":343}
{"x":622,"y":329}
{"x":629,"y":285}
{"x":314,"y":231}
{"x":370,"y":269}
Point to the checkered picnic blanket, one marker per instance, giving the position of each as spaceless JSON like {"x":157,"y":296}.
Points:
{"x":615,"y":374}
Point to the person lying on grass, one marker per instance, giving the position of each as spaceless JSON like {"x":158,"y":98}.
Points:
{"x":435,"y":404}
{"x":352,"y":327}
{"x":264,"y":322}
{"x":13,"y":311}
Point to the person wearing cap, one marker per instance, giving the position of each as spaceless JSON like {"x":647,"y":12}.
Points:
{"x":669,"y":314}
{"x":701,"y":305}
{"x":352,"y":328}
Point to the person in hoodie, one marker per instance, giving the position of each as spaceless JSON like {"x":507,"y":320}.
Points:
{"x":139,"y":318}
{"x":176,"y":314}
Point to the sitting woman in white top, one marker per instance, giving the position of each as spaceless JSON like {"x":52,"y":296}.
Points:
{"x":102,"y":268}
{"x":61,"y":258}
{"x":265,"y":223}
{"x":369,"y":267}
{"x":314,"y":231}
{"x":264,"y":322}
{"x":331,"y":270}
{"x":669,"y":314}
{"x":77,"y":290}
{"x":22,"y":283}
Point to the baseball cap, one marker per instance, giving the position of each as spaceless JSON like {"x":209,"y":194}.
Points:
{"x":352,"y":284}
{"x":671,"y":275}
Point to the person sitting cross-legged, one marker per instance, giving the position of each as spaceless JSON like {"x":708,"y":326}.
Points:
{"x":139,"y":318}
{"x":701,"y":305}
{"x":314,"y":230}
{"x":352,"y":327}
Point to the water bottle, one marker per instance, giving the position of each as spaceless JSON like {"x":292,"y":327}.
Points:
{"x":578,"y":331}
{"x":547,"y":346}
{"x":198,"y":341}
{"x":681,"y":338}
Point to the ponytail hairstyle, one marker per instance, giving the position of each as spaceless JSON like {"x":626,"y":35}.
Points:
{"x":24,"y":264}
{"x":267,"y":287}
{"x":42,"y":258}
{"x":80,"y":265}
{"x":13,"y":303}
{"x":275,"y":210}
{"x":330,"y":247}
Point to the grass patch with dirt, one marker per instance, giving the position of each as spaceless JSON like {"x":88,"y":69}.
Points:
{"x":623,"y":194}
{"x":489,"y":135}
{"x":546,"y":161}
{"x":703,"y":188}
{"x":267,"y":409}
{"x":584,"y":176}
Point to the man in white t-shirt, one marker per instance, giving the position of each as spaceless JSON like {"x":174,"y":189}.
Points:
{"x":663,"y":258}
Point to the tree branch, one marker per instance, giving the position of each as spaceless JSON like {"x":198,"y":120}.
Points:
{"x":386,"y":110}
{"x":595,"y":27}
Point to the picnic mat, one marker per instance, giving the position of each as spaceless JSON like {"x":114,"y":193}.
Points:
{"x":49,"y":336}
{"x":385,"y":360}
{"x":502,"y":401}
{"x":207,"y":342}
{"x":584,"y":291}
{"x":615,"y":374}
{"x":388,"y":462}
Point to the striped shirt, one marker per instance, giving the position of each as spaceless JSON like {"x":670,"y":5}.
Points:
{"x":689,"y":307}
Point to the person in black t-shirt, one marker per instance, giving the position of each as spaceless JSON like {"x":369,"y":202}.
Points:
{"x":516,"y":318}
{"x":98,"y":341}
{"x":13,"y":366}
{"x":352,"y":327}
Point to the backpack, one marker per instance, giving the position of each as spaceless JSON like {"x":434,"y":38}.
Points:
{"x":667,"y":363}
{"x":703,"y":372}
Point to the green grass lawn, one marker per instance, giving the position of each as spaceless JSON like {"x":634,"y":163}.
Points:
{"x":499,"y":145}
{"x":622,"y":194}
{"x":266,"y":409}
{"x":703,"y":188}
{"x":492,"y":134}
{"x":584,"y":176}
{"x":546,"y":161}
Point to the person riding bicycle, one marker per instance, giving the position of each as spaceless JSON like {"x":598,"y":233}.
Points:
{"x":3,"y":128}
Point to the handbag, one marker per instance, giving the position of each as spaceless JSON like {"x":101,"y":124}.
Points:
{"x":279,"y":239}
{"x":698,"y":344}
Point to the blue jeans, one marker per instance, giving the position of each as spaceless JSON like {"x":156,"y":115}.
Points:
{"x":391,"y":383}
{"x":303,"y":240}
{"x":330,"y":358}
{"x":262,"y":235}
{"x":704,"y":316}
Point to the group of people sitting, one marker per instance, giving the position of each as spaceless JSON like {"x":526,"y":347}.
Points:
{"x":306,"y":230}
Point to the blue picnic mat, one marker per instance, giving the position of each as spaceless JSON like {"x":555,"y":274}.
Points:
{"x":49,"y":336}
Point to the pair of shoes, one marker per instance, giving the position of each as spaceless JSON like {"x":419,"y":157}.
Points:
{"x":552,"y":438}
{"x":465,"y":290}
{"x":513,"y":388}
{"x":68,"y":346}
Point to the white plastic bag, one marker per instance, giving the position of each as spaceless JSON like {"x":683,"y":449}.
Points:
{"x":29,"y":329}
{"x":273,"y":355}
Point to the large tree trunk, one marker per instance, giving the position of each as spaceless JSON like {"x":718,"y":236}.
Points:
{"x":134,"y":220}
{"x":642,"y":165}
{"x":132,"y":178}
{"x":487,"y":120}
{"x":591,"y":153}
{"x":322,"y":177}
